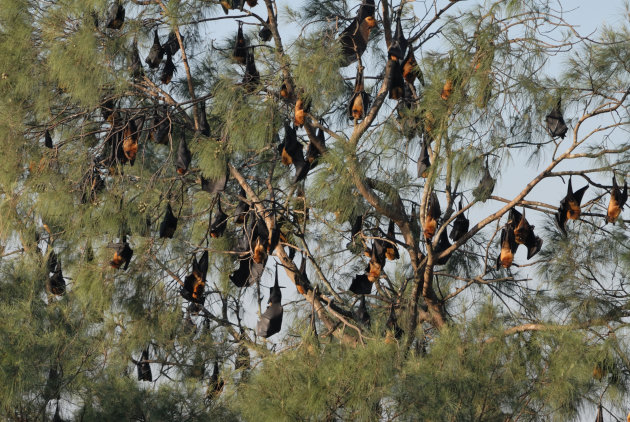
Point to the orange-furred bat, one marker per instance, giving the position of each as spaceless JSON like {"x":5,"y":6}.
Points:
{"x":431,"y":217}
{"x":617,"y":201}
{"x":570,"y":206}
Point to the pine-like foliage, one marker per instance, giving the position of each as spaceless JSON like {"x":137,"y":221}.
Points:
{"x":144,"y":211}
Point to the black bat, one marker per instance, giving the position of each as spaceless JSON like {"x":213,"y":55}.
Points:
{"x":361,"y":285}
{"x":486,"y":185}
{"x":156,"y":52}
{"x":271,"y":320}
{"x":524,"y":233}
{"x":265,"y":33}
{"x":135,"y":64}
{"x":183,"y":157}
{"x":217,"y":185}
{"x":161,"y":128}
{"x":251,"y":78}
{"x":391,"y":250}
{"x":240,"y":46}
{"x":555,"y":122}
{"x":399,"y":44}
{"x":460,"y":225}
{"x":204,"y":127}
{"x":115,"y":16}
{"x":55,"y":284}
{"x":442,"y":245}
{"x":241,"y":209}
{"x":48,"y":142}
{"x":354,"y":38}
{"x":168,"y":70}
{"x":171,"y":46}
{"x":392,"y":325}
{"x":424,"y":162}
{"x":168,"y":224}
{"x":312,"y":152}
{"x":362,"y":313}
{"x":570,"y":206}
{"x":144,"y":367}
{"x":195,"y":282}
{"x":396,"y":81}
{"x":122,"y":254}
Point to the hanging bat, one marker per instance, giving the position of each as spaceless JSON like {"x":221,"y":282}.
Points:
{"x":447,"y":89}
{"x":154,"y":58}
{"x":284,"y":91}
{"x":360,"y":100}
{"x":431,"y":216}
{"x":55,"y":284}
{"x":213,"y":186}
{"x":171,"y":46}
{"x":135,"y":64}
{"x":570,"y":206}
{"x":508,"y":247}
{"x":241,"y":209}
{"x":240,"y":46}
{"x":115,"y":16}
{"x":248,"y":272}
{"x":424,"y":162}
{"x":216,"y":384}
{"x":290,"y":146}
{"x":362,"y":313}
{"x":168,"y":70}
{"x":252,"y":3}
{"x":555,"y":122}
{"x":361,"y":285}
{"x":265,"y":33}
{"x":377,"y":261}
{"x":392,"y":326}
{"x":183,"y":157}
{"x":130,"y":141}
{"x":161,"y":129}
{"x":396,"y":82}
{"x":195,"y":282}
{"x":51,"y":262}
{"x":91,"y":184}
{"x":524,"y":233}
{"x":259,"y":237}
{"x":122,"y":254}
{"x":251,"y":78}
{"x":271,"y":320}
{"x":219,"y":222}
{"x":617,"y":201}
{"x":391,"y":250}
{"x":442,"y":245}
{"x":168,"y":224}
{"x":486,"y":185}
{"x":355,"y":243}
{"x":204,"y":127}
{"x":48,"y":142}
{"x":354,"y":38}
{"x":292,"y":152}
{"x":399,"y":43}
{"x":144,"y":367}
{"x":411,"y":70}
{"x":312,"y":151}
{"x":460,"y":225}
{"x":301,"y":108}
